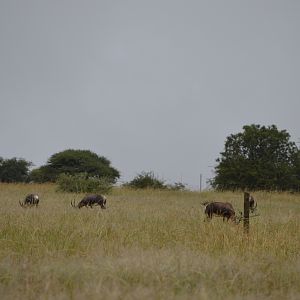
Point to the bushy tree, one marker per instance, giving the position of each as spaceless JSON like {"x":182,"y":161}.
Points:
{"x":14,"y":170}
{"x":75,"y":162}
{"x":146,"y":180}
{"x":258,"y":158}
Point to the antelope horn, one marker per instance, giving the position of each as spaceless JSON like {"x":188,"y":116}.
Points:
{"x":239,"y":218}
{"x":74,"y":204}
{"x":253,"y":209}
{"x":240,"y":214}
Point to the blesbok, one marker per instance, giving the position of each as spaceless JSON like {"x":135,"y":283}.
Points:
{"x":252,"y":204}
{"x":90,"y":201}
{"x":221,"y":209}
{"x":30,"y":200}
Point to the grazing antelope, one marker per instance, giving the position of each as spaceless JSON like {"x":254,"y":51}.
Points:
{"x":252,"y":204}
{"x":221,"y":209}
{"x":90,"y":201}
{"x":30,"y":201}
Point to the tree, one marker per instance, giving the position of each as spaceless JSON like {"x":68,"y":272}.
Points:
{"x":14,"y":170}
{"x":75,"y":162}
{"x":258,"y":158}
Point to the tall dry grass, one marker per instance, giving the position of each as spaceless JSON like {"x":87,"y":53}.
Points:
{"x":146,"y":245}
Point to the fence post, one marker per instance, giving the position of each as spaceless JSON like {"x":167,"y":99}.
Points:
{"x":246,"y":212}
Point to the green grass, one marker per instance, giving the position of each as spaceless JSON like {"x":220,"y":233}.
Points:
{"x":146,"y":245}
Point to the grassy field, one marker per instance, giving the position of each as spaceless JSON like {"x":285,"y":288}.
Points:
{"x":146,"y":245}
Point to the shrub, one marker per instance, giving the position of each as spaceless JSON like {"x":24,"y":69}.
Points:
{"x":146,"y":180}
{"x":177,"y":186}
{"x":81,"y":183}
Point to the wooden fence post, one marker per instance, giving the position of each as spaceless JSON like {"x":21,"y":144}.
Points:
{"x":246,"y":212}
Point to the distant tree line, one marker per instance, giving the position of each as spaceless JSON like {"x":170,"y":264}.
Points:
{"x":258,"y":158}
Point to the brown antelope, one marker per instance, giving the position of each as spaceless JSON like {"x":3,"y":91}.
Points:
{"x":90,"y":201}
{"x":221,"y":209}
{"x":252,"y":204}
{"x":30,"y":200}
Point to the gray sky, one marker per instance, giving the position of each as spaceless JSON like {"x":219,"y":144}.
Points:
{"x":151,"y":85}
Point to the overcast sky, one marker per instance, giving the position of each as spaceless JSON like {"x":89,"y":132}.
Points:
{"x":152,"y":85}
